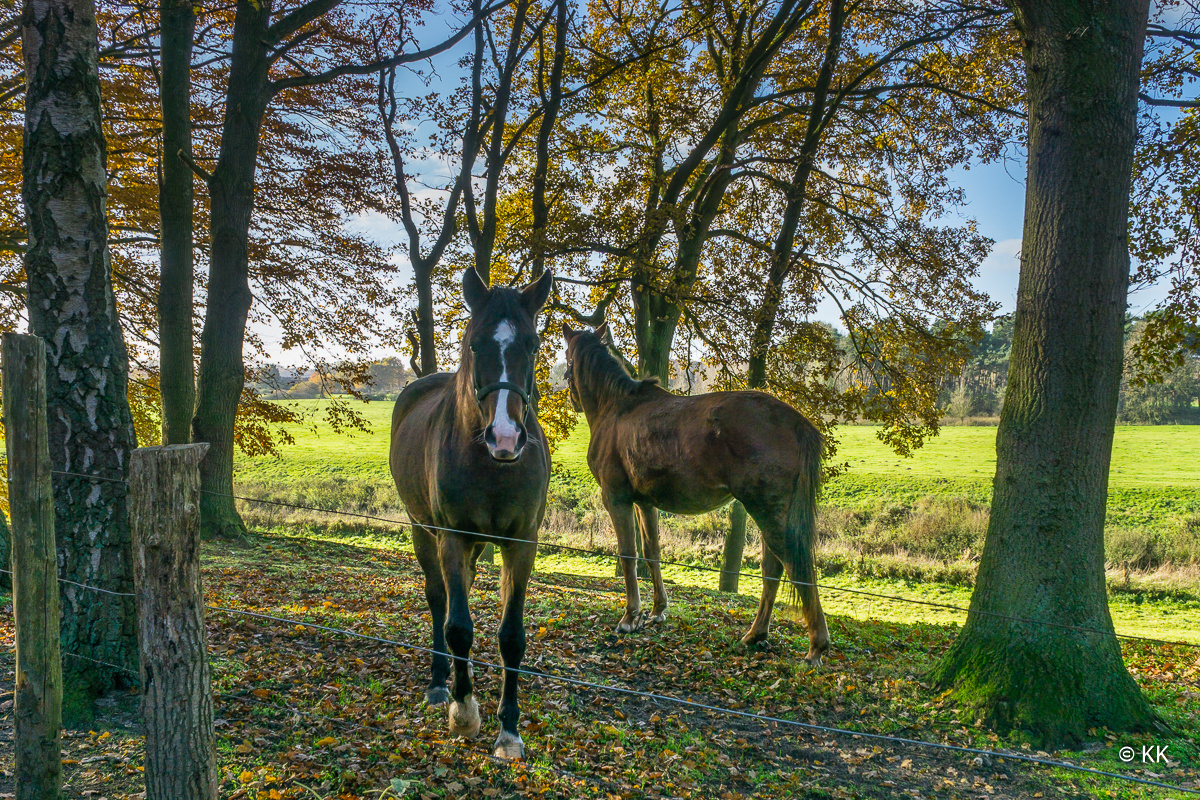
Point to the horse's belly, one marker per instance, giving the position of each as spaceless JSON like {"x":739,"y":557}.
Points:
{"x":678,"y":494}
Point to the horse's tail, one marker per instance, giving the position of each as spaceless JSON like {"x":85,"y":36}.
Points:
{"x":800,"y":563}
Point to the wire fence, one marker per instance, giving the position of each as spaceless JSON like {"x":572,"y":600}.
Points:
{"x":346,"y":725}
{"x":593,"y":553}
{"x":704,"y":568}
{"x":652,"y":696}
{"x":660,"y":699}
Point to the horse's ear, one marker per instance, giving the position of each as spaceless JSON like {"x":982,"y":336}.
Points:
{"x":535,"y":295}
{"x":603,"y":333}
{"x":474,"y":292}
{"x":569,"y":333}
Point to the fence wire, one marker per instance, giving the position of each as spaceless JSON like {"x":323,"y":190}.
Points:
{"x":410,"y":523}
{"x":702,"y":568}
{"x":667,"y":699}
{"x":660,"y":698}
{"x":654,"y":697}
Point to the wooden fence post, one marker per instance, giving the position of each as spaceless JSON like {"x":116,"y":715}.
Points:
{"x":164,"y":517}
{"x":38,"y":701}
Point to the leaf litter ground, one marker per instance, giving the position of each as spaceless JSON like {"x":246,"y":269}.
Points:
{"x":308,"y":713}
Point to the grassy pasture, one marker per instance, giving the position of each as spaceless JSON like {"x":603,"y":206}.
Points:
{"x":1155,"y":474}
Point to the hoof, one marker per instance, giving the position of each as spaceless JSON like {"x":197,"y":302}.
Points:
{"x":754,"y":637}
{"x":437,"y":695}
{"x":508,"y":746}
{"x":464,"y":718}
{"x":813,"y":658}
{"x":657,"y":617}
{"x":630,"y":623}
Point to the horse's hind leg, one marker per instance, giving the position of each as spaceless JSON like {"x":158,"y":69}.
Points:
{"x":456,"y":572}
{"x":514,"y":578}
{"x":648,"y":515}
{"x":425,"y":545}
{"x":772,"y":569}
{"x":622,"y":519}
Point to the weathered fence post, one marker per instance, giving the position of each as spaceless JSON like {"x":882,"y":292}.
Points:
{"x":38,"y":701}
{"x":164,"y":489}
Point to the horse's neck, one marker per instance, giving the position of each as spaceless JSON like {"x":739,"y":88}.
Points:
{"x":606,"y":404}
{"x":467,"y":416}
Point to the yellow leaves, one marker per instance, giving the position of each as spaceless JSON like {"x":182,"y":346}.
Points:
{"x":326,"y":742}
{"x":246,"y":776}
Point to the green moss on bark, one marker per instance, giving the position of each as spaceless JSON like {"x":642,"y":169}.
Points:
{"x":1053,"y":689}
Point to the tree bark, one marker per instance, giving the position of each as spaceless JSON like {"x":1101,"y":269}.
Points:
{"x":1044,"y":554}
{"x":175,"y":204}
{"x":5,"y":553}
{"x":38,"y":684}
{"x":735,"y":547}
{"x":71,"y":307}
{"x":176,"y":692}
{"x":222,"y":371}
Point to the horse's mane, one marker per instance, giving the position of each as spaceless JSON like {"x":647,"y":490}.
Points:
{"x":605,"y":373}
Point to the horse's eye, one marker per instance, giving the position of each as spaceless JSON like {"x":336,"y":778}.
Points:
{"x":475,"y":345}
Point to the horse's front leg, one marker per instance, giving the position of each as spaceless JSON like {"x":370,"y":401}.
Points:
{"x":426,"y":547}
{"x":456,"y":572}
{"x":648,"y":515}
{"x":514,"y":578}
{"x":622,"y":518}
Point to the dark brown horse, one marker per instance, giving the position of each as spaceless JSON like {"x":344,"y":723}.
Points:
{"x":651,"y":449}
{"x":468,"y":454}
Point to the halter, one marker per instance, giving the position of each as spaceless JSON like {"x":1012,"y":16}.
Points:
{"x":512,"y":387}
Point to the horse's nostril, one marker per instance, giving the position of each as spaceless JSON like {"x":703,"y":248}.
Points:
{"x":489,"y":436}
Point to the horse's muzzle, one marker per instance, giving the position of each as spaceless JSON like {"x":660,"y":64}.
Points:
{"x":506,"y":447}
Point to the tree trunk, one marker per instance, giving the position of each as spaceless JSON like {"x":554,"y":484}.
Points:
{"x":5,"y":554}
{"x":222,"y":371}
{"x":1044,"y":554}
{"x":735,"y":546}
{"x":423,"y":277}
{"x":71,"y":307}
{"x":655,"y":321}
{"x":176,"y":693}
{"x":175,"y":205}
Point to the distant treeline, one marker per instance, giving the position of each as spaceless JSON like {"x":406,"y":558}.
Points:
{"x":979,"y":391}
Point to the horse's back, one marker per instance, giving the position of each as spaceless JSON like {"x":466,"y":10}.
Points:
{"x":412,"y":424}
{"x":689,"y":453}
{"x":420,"y":389}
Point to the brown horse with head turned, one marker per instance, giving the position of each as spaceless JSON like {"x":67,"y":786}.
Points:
{"x":651,"y":449}
{"x":468,"y":455}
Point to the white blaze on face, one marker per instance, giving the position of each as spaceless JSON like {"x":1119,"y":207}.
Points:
{"x":504,"y":427}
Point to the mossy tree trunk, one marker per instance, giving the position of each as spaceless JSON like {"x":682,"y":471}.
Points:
{"x":71,"y":307}
{"x":175,"y":203}
{"x":5,"y":554}
{"x":1044,"y":555}
{"x":222,"y":372}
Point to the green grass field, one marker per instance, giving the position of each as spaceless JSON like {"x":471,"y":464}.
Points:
{"x":1154,"y":475}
